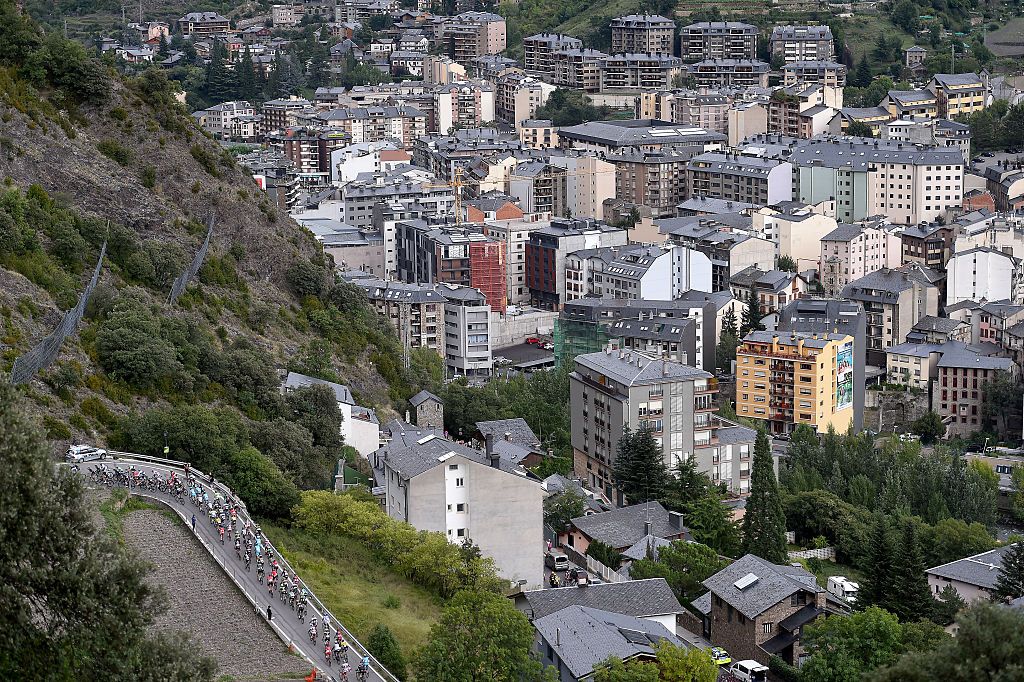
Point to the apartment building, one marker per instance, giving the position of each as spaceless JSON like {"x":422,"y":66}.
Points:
{"x":203,"y":24}
{"x":745,"y":120}
{"x":467,"y":327}
{"x":469,"y":35}
{"x":539,"y":187}
{"x":467,"y":495}
{"x":220,"y":117}
{"x":707,"y":111}
{"x":416,"y":311}
{"x":538,"y":134}
{"x":790,"y":378}
{"x":515,"y":233}
{"x":548,"y":247}
{"x":1007,"y":186}
{"x":796,"y":230}
{"x":958,"y":94}
{"x":577,"y":68}
{"x":850,"y":252}
{"x":894,"y":301}
{"x":643,"y":33}
{"x":359,"y":197}
{"x":911,"y":103}
{"x":655,"y":180}
{"x":654,"y":273}
{"x":468,"y":104}
{"x":643,"y":135}
{"x":959,"y":392}
{"x":983,"y":273}
{"x":449,"y":254}
{"x":730,"y":73}
{"x":909,"y":184}
{"x":538,"y":51}
{"x":717,"y":40}
{"x":803,"y":111}
{"x":310,"y":151}
{"x":733,"y":177}
{"x":873,"y":117}
{"x":771,"y":290}
{"x":824,"y":316}
{"x":610,"y":391}
{"x":930,"y":245}
{"x":801,"y":43}
{"x":634,"y":71}
{"x":726,"y":239}
{"x":283,"y":113}
{"x":491,"y":67}
{"x":810,"y":72}
{"x":517,"y":98}
{"x":928,"y":131}
{"x":589,"y":181}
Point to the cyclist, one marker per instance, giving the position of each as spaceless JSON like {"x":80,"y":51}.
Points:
{"x":327,"y":652}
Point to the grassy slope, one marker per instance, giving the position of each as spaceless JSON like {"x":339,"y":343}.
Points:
{"x":863,"y":30}
{"x":353,"y":585}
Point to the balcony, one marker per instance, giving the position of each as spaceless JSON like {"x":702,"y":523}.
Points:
{"x":710,"y":386}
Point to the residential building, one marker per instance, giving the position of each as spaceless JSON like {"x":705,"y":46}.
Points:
{"x":609,"y":137}
{"x":429,"y":410}
{"x":467,"y":495}
{"x":930,"y":245}
{"x":491,"y":67}
{"x":1007,"y":186}
{"x":220,"y":117}
{"x":633,"y":71}
{"x":517,"y":98}
{"x":538,"y":134}
{"x":909,"y":184}
{"x":467,"y":104}
{"x":726,"y":239}
{"x":406,"y":62}
{"x":730,"y":73}
{"x":472,"y":34}
{"x":717,"y":40}
{"x":850,"y":252}
{"x":416,"y":311}
{"x":873,"y":117}
{"x":538,"y":51}
{"x":707,"y":111}
{"x":357,"y":427}
{"x":467,"y":328}
{"x":746,"y":120}
{"x":801,"y":43}
{"x":789,"y":378}
{"x":823,"y":316}
{"x":614,"y":390}
{"x":744,"y":179}
{"x":984,"y":273}
{"x":796,"y":229}
{"x":929,"y":131}
{"x":539,"y":187}
{"x":359,"y":197}
{"x":651,"y":599}
{"x":653,"y":180}
{"x":310,"y":151}
{"x":913,"y":56}
{"x":643,"y":34}
{"x":939,"y":330}
{"x":577,"y":68}
{"x":283,"y":113}
{"x":655,"y":273}
{"x":771,"y":290}
{"x":973,"y":577}
{"x":622,"y":527}
{"x":349,"y":162}
{"x":810,"y":72}
{"x":203,"y":24}
{"x":959,"y":392}
{"x":958,"y":94}
{"x":548,"y":247}
{"x":374,"y":124}
{"x":577,"y":640}
{"x":803,"y":111}
{"x":894,"y":301}
{"x":755,"y":609}
{"x":913,"y":364}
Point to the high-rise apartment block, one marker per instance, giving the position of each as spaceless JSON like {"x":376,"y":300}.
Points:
{"x":717,"y":40}
{"x":643,"y":33}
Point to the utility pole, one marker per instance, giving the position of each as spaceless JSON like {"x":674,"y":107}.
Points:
{"x":952,"y":58}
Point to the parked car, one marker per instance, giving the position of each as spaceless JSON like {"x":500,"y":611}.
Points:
{"x":749,"y":671}
{"x":556,"y":560}
{"x":909,"y":437}
{"x":84,"y":453}
{"x":533,"y":341}
{"x":548,"y":346}
{"x":720,"y":656}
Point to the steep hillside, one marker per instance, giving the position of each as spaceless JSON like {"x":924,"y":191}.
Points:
{"x":86,"y":156}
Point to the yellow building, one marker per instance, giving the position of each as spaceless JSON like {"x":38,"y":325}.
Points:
{"x":958,"y":93}
{"x":792,"y":378}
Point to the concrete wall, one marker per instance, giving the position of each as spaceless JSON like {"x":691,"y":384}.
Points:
{"x":969,"y":593}
{"x":364,"y":436}
{"x":509,"y":330}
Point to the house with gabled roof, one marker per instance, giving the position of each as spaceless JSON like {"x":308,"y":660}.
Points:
{"x":755,"y":609}
{"x":973,"y":577}
{"x":623,"y":527}
{"x":651,"y":599}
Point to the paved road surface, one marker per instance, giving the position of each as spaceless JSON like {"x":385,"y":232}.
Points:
{"x":284,"y":622}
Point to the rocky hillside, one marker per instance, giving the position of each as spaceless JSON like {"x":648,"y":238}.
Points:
{"x":86,"y":156}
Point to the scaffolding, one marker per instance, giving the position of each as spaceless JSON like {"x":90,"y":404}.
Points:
{"x":487,"y":272}
{"x":577,"y":337}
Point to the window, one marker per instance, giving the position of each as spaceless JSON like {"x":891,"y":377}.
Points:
{"x":453,"y":467}
{"x":461,"y":532}
{"x":459,"y":482}
{"x":460,"y":507}
{"x":767,"y":628}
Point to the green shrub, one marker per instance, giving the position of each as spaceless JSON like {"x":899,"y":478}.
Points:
{"x":149,"y":177}
{"x":392,"y":602}
{"x":78,"y":421}
{"x":206,"y":159}
{"x":56,"y":429}
{"x":115,"y":151}
{"x":94,"y":408}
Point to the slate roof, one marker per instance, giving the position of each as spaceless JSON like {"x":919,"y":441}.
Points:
{"x":635,"y":369}
{"x":411,"y":457}
{"x":843,"y":233}
{"x":648,"y":543}
{"x":583,"y":637}
{"x":930,"y":323}
{"x":731,"y":434}
{"x":639,"y":598}
{"x":980,"y":570}
{"x":624,"y":526}
{"x":712,"y":206}
{"x":520,"y":432}
{"x":774,"y":584}
{"x":422,"y":397}
{"x":960,"y":355}
{"x":703,"y":603}
{"x":341,"y":393}
{"x":886,"y":280}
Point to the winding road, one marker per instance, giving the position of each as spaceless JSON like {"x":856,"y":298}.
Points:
{"x":284,"y":621}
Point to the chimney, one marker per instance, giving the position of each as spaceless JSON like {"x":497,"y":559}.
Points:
{"x":492,"y":456}
{"x":558,"y":636}
{"x":407,"y":417}
{"x":508,"y":436}
{"x":675,"y":519}
{"x":647,"y":528}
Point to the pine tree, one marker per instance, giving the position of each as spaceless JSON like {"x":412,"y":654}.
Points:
{"x":639,"y":469}
{"x":164,"y":50}
{"x":221,"y":82}
{"x":1010,"y":581}
{"x":877,"y":588}
{"x":751,"y":316}
{"x":383,"y":645}
{"x":764,"y":521}
{"x":247,"y":88}
{"x":729,"y":322}
{"x":909,"y":579}
{"x":863,"y":73}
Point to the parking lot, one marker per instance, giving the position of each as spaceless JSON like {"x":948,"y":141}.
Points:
{"x":525,"y":357}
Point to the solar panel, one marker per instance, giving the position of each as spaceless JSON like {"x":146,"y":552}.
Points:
{"x":746,"y":581}
{"x":635,"y":636}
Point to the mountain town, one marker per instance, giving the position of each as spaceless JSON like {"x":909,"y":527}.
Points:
{"x":612,"y":341}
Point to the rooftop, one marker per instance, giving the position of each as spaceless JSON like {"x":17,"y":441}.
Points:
{"x":636,"y":369}
{"x":639,"y":598}
{"x":980,"y":570}
{"x":295,"y":380}
{"x":624,"y":526}
{"x":752,"y":585}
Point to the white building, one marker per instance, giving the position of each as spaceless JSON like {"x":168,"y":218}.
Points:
{"x":359,"y":425}
{"x":220,"y":117}
{"x":365,"y":157}
{"x":983,"y":273}
{"x":796,"y":230}
{"x":973,"y":577}
{"x":851,"y":251}
{"x":655,"y":273}
{"x":467,"y":327}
